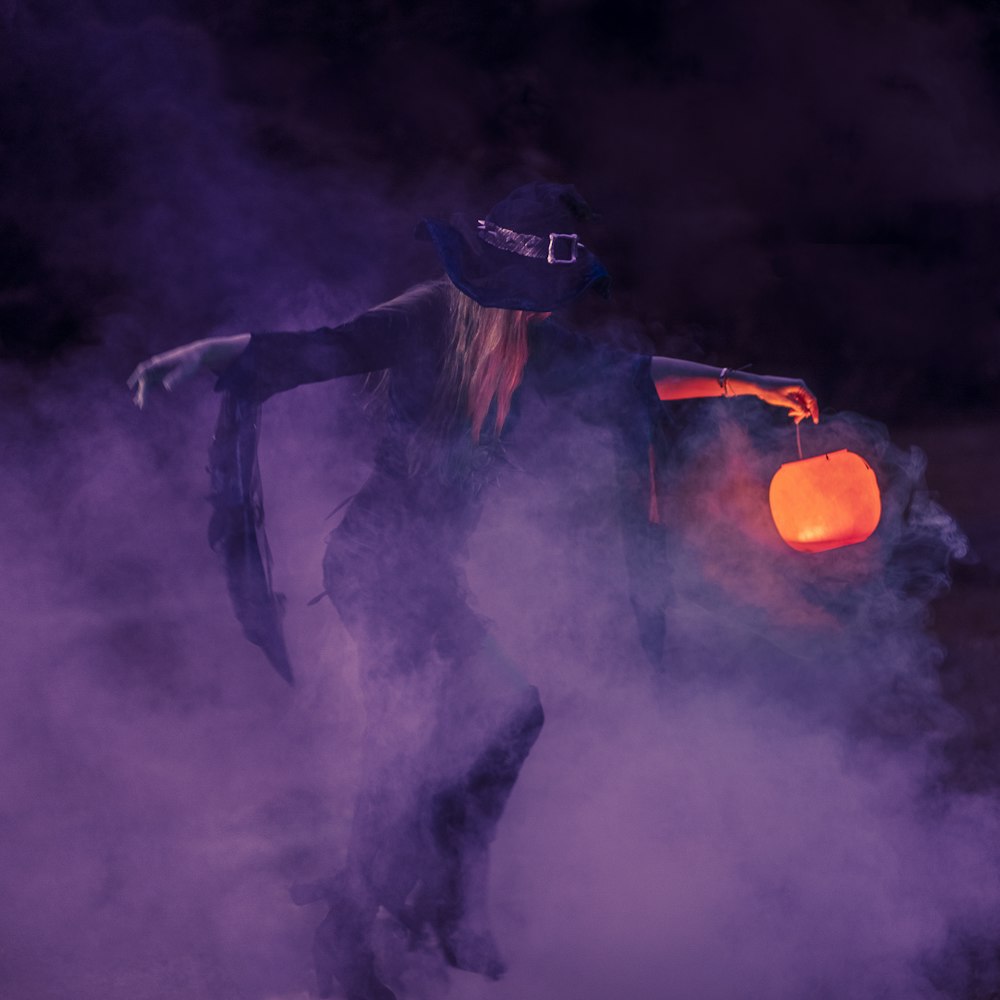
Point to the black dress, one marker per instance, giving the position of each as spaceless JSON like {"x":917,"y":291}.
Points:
{"x":450,"y":720}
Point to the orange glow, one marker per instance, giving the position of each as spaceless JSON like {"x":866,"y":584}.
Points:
{"x":825,"y":502}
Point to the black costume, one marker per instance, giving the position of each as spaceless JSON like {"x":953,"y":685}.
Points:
{"x":450,"y":721}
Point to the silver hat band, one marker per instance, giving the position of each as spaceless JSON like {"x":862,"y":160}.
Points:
{"x":556,"y":248}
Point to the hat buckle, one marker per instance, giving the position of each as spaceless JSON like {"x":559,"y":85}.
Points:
{"x":572,"y":241}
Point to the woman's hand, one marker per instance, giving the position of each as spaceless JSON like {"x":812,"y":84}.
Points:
{"x":175,"y":367}
{"x":791,"y":393}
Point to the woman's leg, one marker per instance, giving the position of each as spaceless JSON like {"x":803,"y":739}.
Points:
{"x":381,"y":868}
{"x":342,"y":949}
{"x":450,"y":723}
{"x":464,"y":818}
{"x":439,"y":845}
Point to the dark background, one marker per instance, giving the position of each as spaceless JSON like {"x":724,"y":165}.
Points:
{"x":807,"y":187}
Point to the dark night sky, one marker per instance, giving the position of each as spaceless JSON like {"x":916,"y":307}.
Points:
{"x":808,"y":187}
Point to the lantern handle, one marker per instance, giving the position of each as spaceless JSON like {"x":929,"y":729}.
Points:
{"x":798,"y":436}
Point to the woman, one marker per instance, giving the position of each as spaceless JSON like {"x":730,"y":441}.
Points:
{"x":449,"y":720}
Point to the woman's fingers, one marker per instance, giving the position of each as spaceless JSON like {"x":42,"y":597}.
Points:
{"x":138,"y":382}
{"x":155,"y":371}
{"x":796,"y":403}
{"x":807,"y":404}
{"x":792,"y":394}
{"x":169,"y":370}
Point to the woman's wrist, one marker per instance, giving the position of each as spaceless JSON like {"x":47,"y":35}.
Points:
{"x":738,"y":383}
{"x":219,"y":353}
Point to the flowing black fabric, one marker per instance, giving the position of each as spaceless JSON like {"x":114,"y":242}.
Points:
{"x":236,"y":529}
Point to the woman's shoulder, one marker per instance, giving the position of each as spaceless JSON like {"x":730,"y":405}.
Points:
{"x":424,"y":297}
{"x":415,"y":320}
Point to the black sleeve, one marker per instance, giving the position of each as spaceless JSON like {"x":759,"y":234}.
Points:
{"x":591,"y":376}
{"x":383,"y":337}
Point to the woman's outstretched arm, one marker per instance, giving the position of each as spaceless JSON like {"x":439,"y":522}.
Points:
{"x":256,"y":366}
{"x":677,"y":379}
{"x":172,"y":368}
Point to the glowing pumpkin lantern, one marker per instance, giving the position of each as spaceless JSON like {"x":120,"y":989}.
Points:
{"x":825,"y":502}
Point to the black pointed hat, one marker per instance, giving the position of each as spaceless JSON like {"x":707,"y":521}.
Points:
{"x":525,"y":254}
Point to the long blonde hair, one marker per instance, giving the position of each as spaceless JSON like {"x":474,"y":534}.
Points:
{"x":485,"y":360}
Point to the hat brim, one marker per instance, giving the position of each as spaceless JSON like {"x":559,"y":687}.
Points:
{"x":500,"y":279}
